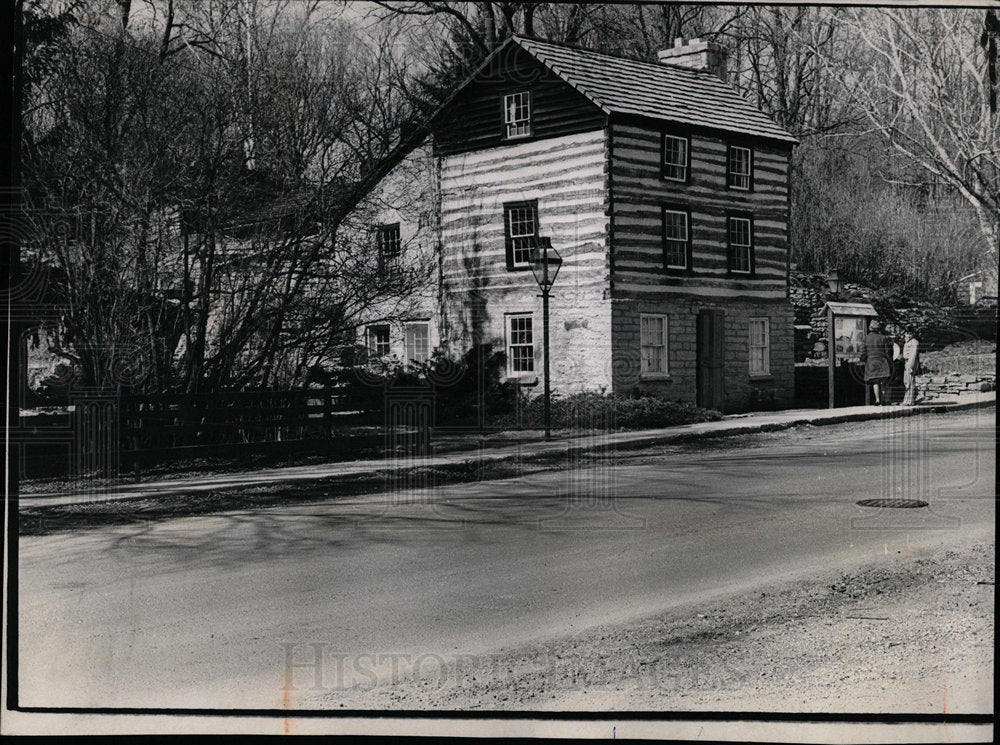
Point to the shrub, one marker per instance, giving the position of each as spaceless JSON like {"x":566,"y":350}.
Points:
{"x":471,"y":389}
{"x":467,"y":391}
{"x":590,"y":410}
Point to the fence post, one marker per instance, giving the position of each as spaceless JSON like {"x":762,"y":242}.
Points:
{"x":409,"y":415}
{"x":328,"y":412}
{"x":98,"y":447}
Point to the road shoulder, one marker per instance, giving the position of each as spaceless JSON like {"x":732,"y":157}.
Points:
{"x":910,"y":633}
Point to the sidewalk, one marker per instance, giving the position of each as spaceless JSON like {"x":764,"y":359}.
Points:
{"x":483,"y":451}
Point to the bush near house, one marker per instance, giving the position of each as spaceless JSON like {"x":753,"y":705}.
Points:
{"x":600,"y":411}
{"x":471,"y":391}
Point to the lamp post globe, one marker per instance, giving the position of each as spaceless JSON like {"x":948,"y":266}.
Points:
{"x":545,"y":263}
{"x":833,"y":282}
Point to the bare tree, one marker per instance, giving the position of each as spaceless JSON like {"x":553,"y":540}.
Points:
{"x":205,"y":156}
{"x":778,"y":62}
{"x":849,"y":215}
{"x":924,"y":87}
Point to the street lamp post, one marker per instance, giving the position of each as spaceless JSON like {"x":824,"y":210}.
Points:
{"x":545,"y":262}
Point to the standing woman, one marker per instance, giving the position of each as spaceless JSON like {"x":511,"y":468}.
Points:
{"x":877,"y":358}
{"x":911,"y":362}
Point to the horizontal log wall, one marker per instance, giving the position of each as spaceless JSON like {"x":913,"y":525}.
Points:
{"x":639,"y":194}
{"x":566,"y":175}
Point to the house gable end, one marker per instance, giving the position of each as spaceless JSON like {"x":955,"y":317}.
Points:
{"x":473,"y":118}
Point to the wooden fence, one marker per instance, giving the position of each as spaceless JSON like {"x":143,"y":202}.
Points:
{"x":155,"y":426}
{"x":108,"y":432}
{"x":169,"y":420}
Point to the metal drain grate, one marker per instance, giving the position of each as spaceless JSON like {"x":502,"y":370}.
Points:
{"x":900,"y":503}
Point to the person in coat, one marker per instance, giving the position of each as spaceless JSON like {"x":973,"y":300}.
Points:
{"x":877,"y":359}
{"x":911,"y":363}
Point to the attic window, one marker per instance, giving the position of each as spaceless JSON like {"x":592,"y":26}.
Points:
{"x":517,"y":115}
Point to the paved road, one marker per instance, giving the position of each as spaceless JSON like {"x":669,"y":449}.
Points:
{"x":202,"y":612}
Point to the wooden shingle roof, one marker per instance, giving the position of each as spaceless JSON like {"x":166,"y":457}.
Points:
{"x":666,"y":92}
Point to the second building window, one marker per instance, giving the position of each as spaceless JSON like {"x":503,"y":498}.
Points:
{"x":417,"y":342}
{"x":675,"y":158}
{"x":389,"y":244}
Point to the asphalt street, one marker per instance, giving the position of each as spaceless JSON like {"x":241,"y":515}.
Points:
{"x":207,"y":612}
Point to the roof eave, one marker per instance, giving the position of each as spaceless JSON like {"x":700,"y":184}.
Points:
{"x":788,"y":140}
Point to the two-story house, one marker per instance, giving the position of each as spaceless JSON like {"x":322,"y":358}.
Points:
{"x":665,"y":192}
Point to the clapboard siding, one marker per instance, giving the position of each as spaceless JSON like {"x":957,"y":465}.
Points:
{"x":473,"y":120}
{"x":639,"y":194}
{"x":408,"y":195}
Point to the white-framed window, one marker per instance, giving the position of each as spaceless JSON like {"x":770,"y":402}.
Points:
{"x":377,"y":340}
{"x":740,"y":245}
{"x":675,"y":158}
{"x":389,"y":244}
{"x":517,"y":114}
{"x":760,"y":346}
{"x":675,"y":238}
{"x":740,"y":167}
{"x":521,"y":226}
{"x":520,"y":344}
{"x":418,"y":337}
{"x":653,"y":331}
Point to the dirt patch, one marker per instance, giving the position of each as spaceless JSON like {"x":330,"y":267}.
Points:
{"x":912,"y":634}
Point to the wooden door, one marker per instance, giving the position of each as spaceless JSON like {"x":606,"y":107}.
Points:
{"x":711,"y":358}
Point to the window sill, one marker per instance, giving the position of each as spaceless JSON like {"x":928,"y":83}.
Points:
{"x":525,"y":379}
{"x":655,"y":376}
{"x":761,"y":376}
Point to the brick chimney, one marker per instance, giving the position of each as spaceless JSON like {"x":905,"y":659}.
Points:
{"x":697,"y":54}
